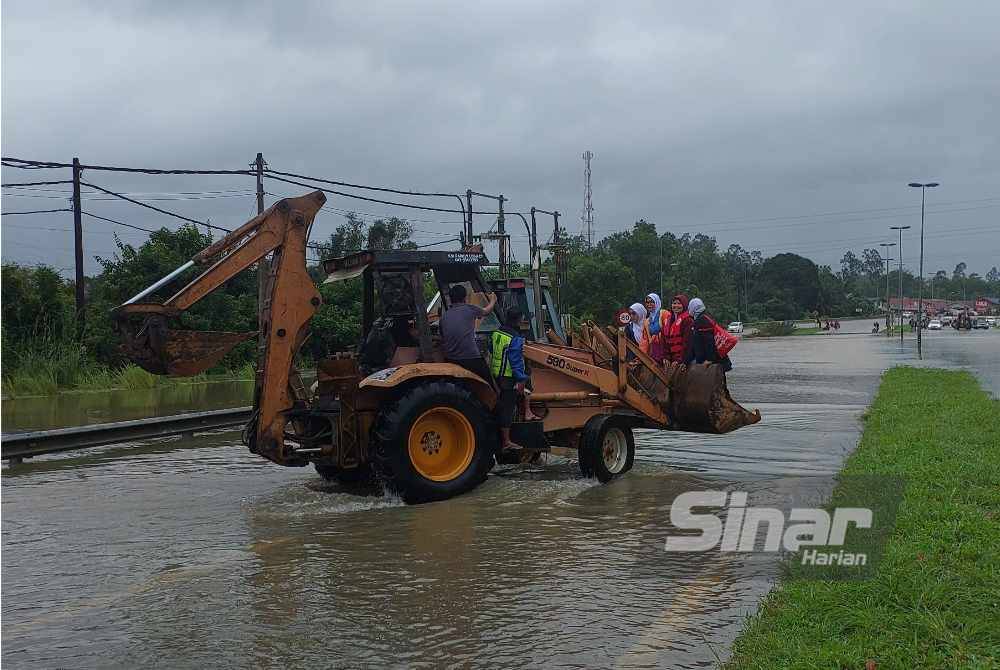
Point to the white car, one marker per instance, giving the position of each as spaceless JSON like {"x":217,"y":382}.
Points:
{"x":991,"y":321}
{"x":735,"y":327}
{"x":934,"y":325}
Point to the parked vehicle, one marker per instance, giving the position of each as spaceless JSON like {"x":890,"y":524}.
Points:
{"x":735,"y":327}
{"x":981,"y":324}
{"x":947,"y":319}
{"x":935,"y":324}
{"x":991,"y":321}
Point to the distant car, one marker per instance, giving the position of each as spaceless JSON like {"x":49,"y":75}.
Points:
{"x":991,"y":321}
{"x":735,"y":327}
{"x":947,"y":318}
{"x":934,"y":325}
{"x":981,"y":324}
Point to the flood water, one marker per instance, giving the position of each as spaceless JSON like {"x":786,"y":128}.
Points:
{"x":193,"y":553}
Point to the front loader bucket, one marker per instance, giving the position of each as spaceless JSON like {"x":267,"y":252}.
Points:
{"x":699,"y":401}
{"x":178,"y":353}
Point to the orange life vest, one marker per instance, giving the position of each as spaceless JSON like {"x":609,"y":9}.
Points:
{"x":675,"y":331}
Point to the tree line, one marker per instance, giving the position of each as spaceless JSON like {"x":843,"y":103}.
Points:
{"x":735,"y":283}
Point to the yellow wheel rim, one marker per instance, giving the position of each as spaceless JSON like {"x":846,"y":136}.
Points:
{"x":441,"y":444}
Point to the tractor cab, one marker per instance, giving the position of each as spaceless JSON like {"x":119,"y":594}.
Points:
{"x":399,"y":320}
{"x":519,"y":292}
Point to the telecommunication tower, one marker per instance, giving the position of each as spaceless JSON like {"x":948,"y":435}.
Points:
{"x":587,"y":218}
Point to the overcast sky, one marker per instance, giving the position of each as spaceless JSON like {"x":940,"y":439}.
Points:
{"x":791,"y":126}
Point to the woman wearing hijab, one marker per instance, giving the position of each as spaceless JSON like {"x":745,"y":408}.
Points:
{"x":675,"y":329}
{"x":653,"y":308}
{"x":701,"y":347}
{"x":638,"y":329}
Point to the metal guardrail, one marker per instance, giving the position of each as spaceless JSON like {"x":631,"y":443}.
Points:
{"x":18,"y":446}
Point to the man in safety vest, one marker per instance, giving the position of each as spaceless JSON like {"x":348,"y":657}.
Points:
{"x":507,"y":366}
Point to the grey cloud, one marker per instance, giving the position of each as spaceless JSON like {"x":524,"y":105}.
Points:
{"x":698,"y":113}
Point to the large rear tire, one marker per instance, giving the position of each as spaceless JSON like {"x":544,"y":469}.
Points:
{"x":607,"y":448}
{"x":434,"y":443}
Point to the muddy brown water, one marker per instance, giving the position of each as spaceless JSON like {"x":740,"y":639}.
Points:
{"x":192,"y":553}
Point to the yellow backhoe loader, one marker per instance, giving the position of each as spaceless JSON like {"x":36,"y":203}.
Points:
{"x":397,"y":411}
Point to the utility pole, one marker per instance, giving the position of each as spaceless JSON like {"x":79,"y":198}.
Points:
{"x":560,"y":262}
{"x":588,"y":206}
{"x":900,"y":229}
{"x":746,"y":291}
{"x":263,"y":265}
{"x":920,"y":301}
{"x":78,"y":249}
{"x":468,"y":223}
{"x":888,"y":308}
{"x":661,"y":267}
{"x":501,"y":230}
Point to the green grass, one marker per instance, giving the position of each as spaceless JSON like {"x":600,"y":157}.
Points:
{"x":934,"y":599}
{"x":812,"y":330}
{"x":50,"y":367}
{"x":773,"y":329}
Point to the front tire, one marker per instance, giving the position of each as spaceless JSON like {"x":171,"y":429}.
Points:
{"x":434,"y":443}
{"x":607,"y":449}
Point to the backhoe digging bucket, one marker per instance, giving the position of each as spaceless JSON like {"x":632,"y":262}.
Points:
{"x":699,"y":401}
{"x":178,"y":353}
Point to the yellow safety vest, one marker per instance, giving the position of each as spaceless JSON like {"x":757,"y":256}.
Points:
{"x":498,"y":361}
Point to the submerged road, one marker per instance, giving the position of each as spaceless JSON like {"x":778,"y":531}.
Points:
{"x":192,"y":553}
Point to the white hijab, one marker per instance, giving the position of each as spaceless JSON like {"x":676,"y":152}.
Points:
{"x":639,"y":309}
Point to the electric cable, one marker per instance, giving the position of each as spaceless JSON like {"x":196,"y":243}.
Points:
{"x":119,"y":223}
{"x":37,"y":183}
{"x":37,"y":211}
{"x":156,"y":209}
{"x":10,"y":161}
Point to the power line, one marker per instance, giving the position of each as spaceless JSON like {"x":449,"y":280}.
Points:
{"x":383,"y":189}
{"x":56,"y":230}
{"x":157,"y":209}
{"x":367,"y":199}
{"x":37,"y":183}
{"x":383,"y":202}
{"x":37,"y":211}
{"x":119,"y":223}
{"x":24,"y":164}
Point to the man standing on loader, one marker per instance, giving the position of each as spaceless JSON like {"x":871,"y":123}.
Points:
{"x":458,"y":332}
{"x":507,"y":366}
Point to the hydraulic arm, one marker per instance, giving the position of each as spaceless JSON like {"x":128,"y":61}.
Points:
{"x":290,"y":300}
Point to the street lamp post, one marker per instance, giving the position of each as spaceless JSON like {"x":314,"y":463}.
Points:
{"x":900,"y":229}
{"x":888,"y":308}
{"x":661,"y":267}
{"x":920,"y":300}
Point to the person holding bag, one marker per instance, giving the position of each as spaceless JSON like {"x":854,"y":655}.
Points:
{"x":709,"y":342}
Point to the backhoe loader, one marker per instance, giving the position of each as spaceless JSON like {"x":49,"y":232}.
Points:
{"x":393,"y":408}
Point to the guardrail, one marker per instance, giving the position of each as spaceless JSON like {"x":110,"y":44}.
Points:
{"x":17,"y":446}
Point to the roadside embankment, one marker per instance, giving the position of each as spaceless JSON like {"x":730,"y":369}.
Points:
{"x":934,"y":599}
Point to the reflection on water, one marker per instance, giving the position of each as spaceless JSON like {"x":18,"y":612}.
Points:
{"x":78,"y":409}
{"x":193,"y":553}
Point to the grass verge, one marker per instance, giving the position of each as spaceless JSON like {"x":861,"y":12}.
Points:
{"x":934,"y":599}
{"x":48,"y":368}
